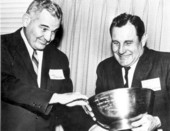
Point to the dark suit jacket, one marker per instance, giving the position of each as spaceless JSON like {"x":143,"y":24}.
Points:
{"x":152,"y":64}
{"x":25,"y":106}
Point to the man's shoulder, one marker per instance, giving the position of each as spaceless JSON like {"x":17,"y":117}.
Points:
{"x":156,"y":57}
{"x":11,"y":34}
{"x":10,"y":38}
{"x":6,"y":37}
{"x":108,"y":62}
{"x":55,"y":52}
{"x":159,"y":55}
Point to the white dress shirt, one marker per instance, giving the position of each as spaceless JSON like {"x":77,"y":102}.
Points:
{"x":130,"y":74}
{"x":30,"y":51}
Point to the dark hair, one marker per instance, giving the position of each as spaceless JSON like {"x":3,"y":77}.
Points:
{"x":38,"y":5}
{"x":122,"y":19}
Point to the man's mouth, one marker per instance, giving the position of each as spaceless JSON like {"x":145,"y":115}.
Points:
{"x":124,"y":57}
{"x":43,"y":42}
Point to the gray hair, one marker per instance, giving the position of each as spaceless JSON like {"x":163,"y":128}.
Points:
{"x":38,"y":5}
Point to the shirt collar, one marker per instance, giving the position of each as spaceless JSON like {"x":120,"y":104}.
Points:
{"x":134,"y":65}
{"x":29,"y":48}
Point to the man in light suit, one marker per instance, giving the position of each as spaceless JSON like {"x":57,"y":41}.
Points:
{"x":148,"y":69}
{"x":35,"y":89}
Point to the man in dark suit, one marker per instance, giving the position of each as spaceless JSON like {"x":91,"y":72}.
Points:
{"x":35,"y":77}
{"x":148,"y":69}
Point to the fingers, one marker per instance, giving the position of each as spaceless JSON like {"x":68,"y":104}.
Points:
{"x":69,"y":99}
{"x":78,"y":95}
{"x":92,"y":115}
{"x":97,"y":128}
{"x":89,"y":111}
{"x":87,"y":108}
{"x":75,"y":99}
{"x":146,"y":123}
{"x":77,"y":102}
{"x":136,"y":118}
{"x":139,"y":122}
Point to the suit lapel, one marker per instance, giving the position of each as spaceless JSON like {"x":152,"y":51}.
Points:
{"x":118,"y":78}
{"x":47,"y":55}
{"x":142,"y":69}
{"x":23,"y":54}
{"x":116,"y":74}
{"x":45,"y":69}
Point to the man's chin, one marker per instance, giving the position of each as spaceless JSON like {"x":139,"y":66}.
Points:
{"x":41,"y":47}
{"x":124,"y":64}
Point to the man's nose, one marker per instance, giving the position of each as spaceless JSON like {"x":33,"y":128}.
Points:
{"x":48,"y":36}
{"x":121,"y":49}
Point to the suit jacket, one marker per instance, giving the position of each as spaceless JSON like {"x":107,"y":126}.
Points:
{"x":25,"y":106}
{"x":152,"y":64}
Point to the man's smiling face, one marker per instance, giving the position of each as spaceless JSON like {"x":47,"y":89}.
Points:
{"x":41,"y":29}
{"x":125,"y":44}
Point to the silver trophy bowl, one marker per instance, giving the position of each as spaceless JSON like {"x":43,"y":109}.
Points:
{"x":114,"y":109}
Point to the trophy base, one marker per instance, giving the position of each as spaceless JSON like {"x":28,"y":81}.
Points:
{"x":124,"y":124}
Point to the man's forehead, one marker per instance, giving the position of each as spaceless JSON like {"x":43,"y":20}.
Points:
{"x":127,"y":26}
{"x":48,"y":20}
{"x":126,"y":30}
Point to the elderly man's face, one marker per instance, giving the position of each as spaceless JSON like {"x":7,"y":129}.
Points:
{"x":41,"y":30}
{"x":125,"y":45}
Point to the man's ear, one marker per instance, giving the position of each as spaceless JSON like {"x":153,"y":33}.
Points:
{"x":144,"y":39}
{"x":26,"y":19}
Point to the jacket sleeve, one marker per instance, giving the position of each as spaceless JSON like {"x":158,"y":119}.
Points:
{"x":100,"y":82}
{"x":165,"y":122}
{"x":15,"y":91}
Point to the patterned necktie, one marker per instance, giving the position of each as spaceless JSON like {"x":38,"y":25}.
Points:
{"x":126,"y":76}
{"x":35,"y":61}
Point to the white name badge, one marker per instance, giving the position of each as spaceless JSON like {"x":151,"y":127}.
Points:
{"x":56,"y":74}
{"x":153,"y":84}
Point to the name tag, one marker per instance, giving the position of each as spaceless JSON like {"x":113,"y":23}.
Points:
{"x":56,"y":74}
{"x":159,"y":130}
{"x":153,"y":84}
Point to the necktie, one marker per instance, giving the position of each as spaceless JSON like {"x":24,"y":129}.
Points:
{"x":126,"y":76}
{"x":35,"y":61}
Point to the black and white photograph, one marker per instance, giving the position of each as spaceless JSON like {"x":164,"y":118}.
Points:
{"x":85,"y":65}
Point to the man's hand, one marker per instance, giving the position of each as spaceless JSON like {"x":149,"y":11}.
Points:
{"x":146,"y":122}
{"x":87,"y":108}
{"x":69,"y":99}
{"x":97,"y":128}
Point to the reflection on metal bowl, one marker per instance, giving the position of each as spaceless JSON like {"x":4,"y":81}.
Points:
{"x":115,"y":108}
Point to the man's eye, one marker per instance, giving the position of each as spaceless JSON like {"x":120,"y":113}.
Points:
{"x":128,"y":43}
{"x":44,"y":29}
{"x":115,"y":43}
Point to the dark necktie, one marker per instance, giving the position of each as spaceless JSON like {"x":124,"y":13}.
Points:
{"x":126,"y":76}
{"x":35,"y":61}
